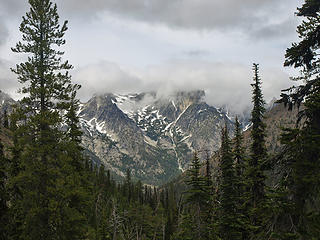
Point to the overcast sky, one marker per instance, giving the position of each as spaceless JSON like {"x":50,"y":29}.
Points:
{"x":167,"y":45}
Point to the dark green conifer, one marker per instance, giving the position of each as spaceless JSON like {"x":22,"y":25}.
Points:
{"x":46,"y":177}
{"x":301,"y":155}
{"x":208,"y":174}
{"x":3,"y":195}
{"x":258,"y":149}
{"x":229,"y":220}
{"x":192,"y":224}
{"x":15,"y":221}
{"x":208,"y":216}
{"x":5,"y":119}
{"x":128,"y":186}
{"x":255,"y":174}
{"x":240,"y":166}
{"x":196,"y":194}
{"x":238,"y":152}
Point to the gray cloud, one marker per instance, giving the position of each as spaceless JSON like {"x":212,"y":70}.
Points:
{"x":13,"y":7}
{"x":197,"y":53}
{"x":280,"y":29}
{"x":225,"y":84}
{"x":8,"y":81}
{"x":104,"y":77}
{"x":258,"y":19}
{"x":4,"y":33}
{"x":249,"y":15}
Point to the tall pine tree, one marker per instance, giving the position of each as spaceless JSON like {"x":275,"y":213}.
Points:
{"x":49,"y":199}
{"x":258,"y":155}
{"x":241,"y":164}
{"x":193,"y":224}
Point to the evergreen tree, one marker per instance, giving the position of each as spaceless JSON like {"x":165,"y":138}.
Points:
{"x":258,"y":149}
{"x":208,"y":216}
{"x":196,"y":194}
{"x":229,"y":219}
{"x":74,"y":132}
{"x":240,"y":163}
{"x":3,"y":195}
{"x":49,"y":199}
{"x":208,"y":175}
{"x":216,"y":204}
{"x":5,"y":119}
{"x":128,"y":186}
{"x":193,"y":224}
{"x":15,"y":212}
{"x":238,"y":153}
{"x":171,"y":212}
{"x":301,"y":154}
{"x":257,"y":162}
{"x":76,"y":187}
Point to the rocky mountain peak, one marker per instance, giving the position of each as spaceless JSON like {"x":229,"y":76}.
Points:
{"x":6,"y":102}
{"x":153,"y":135}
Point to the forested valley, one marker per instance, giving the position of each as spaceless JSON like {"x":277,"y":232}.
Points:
{"x":49,"y":189}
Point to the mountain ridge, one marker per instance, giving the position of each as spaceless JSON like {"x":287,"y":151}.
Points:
{"x":157,"y":134}
{"x":153,"y":136}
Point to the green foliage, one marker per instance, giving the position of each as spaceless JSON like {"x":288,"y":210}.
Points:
{"x":240,"y":183}
{"x":193,"y":222}
{"x":300,"y":159}
{"x":197,"y":193}
{"x":258,"y":150}
{"x":3,"y":194}
{"x":48,"y":190}
{"x":229,"y":227}
{"x":5,"y":119}
{"x":256,"y":204}
{"x":115,"y":217}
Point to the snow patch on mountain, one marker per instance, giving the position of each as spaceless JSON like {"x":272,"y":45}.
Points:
{"x":248,"y":126}
{"x":125,"y":103}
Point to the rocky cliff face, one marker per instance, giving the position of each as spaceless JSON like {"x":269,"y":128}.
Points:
{"x":6,"y":102}
{"x":152,"y":136}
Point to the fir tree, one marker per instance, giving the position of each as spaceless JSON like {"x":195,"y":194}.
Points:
{"x":208,"y":174}
{"x":258,"y":149}
{"x":14,"y":169}
{"x":49,"y":199}
{"x":240,"y":163}
{"x":257,"y":162}
{"x":196,"y":194}
{"x":238,"y":152}
{"x":196,"y":201}
{"x":76,"y":187}
{"x":128,"y":185}
{"x":5,"y":119}
{"x":171,"y":212}
{"x":3,"y":195}
{"x":301,"y":154}
{"x":229,"y":221}
{"x":208,"y":216}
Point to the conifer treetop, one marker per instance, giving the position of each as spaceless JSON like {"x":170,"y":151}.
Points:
{"x":44,"y":74}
